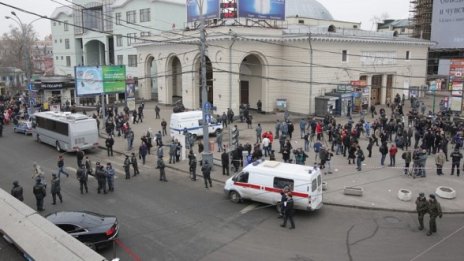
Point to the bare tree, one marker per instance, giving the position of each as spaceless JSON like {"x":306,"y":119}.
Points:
{"x":16,"y":48}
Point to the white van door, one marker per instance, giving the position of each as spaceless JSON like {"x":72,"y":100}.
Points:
{"x":242,"y":186}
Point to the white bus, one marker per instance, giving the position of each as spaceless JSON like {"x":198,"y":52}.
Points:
{"x":65,"y":131}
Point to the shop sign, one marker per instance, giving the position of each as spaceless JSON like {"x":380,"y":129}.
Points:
{"x":359,"y":83}
{"x":51,"y":85}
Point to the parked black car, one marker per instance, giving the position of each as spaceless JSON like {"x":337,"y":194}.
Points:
{"x":94,"y":230}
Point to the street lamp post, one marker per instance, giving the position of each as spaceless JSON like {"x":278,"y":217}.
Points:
{"x":26,"y":52}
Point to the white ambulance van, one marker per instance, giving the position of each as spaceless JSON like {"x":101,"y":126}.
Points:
{"x":193,"y":122}
{"x":263,"y":180}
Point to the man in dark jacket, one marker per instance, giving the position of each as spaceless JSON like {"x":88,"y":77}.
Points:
{"x":456,"y":157}
{"x":126,"y":166}
{"x":161,"y":166}
{"x":422,"y":209}
{"x":82,"y":175}
{"x":56,"y":189}
{"x":109,"y":142}
{"x":192,"y":165}
{"x":17,"y":191}
{"x":60,"y":165}
{"x":225,"y":163}
{"x":80,"y":156}
{"x":134,"y":164}
{"x":39,"y":193}
{"x":288,"y":214}
{"x":100,"y":174}
{"x":206,"y":169}
{"x":434,"y":212}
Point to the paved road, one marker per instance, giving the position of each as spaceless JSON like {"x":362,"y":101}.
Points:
{"x":180,"y":220}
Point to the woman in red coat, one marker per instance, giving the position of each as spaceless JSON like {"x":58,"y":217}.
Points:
{"x":393,"y":150}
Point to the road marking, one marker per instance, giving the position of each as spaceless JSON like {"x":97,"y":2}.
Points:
{"x":249,"y":208}
{"x":128,"y":251}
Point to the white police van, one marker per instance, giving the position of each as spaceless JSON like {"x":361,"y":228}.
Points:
{"x":262,"y":181}
{"x":193,"y":122}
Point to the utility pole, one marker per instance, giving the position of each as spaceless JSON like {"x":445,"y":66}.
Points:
{"x":310,"y":74}
{"x":207,"y":155}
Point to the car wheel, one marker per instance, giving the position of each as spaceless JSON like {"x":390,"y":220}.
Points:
{"x":235,"y":197}
{"x":58,"y":147}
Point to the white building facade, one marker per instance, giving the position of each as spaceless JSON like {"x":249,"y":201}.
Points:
{"x":103,"y":32}
{"x":245,"y":65}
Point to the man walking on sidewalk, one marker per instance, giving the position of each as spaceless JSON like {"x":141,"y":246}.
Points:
{"x":434,"y":212}
{"x":56,"y":189}
{"x":206,"y":169}
{"x":109,"y":142}
{"x":225,"y":163}
{"x":61,"y":167}
{"x":421,"y":208}
{"x":288,"y":214}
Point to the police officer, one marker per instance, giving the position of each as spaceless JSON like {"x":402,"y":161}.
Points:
{"x":80,"y":156}
{"x":100,"y":174}
{"x":39,"y":193}
{"x":225,"y":163}
{"x":422,"y":209}
{"x":17,"y":191}
{"x":56,"y":189}
{"x":283,"y":199}
{"x":434,"y":210}
{"x":110,"y":176}
{"x":288,"y":214}
{"x":126,"y":166}
{"x":161,"y":166}
{"x":82,"y":176}
{"x":109,"y":142}
{"x":134,"y":164}
{"x":192,"y":165}
{"x":206,"y":169}
{"x":456,"y":157}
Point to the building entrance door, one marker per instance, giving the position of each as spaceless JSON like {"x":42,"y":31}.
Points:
{"x":376,"y":89}
{"x":244,"y":92}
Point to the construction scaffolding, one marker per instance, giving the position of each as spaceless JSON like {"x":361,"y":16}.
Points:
{"x":420,"y":18}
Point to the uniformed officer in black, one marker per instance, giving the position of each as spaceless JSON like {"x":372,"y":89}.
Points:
{"x":206,"y":169}
{"x":100,"y":174}
{"x":109,"y":142}
{"x":192,"y":165}
{"x":126,"y":166}
{"x":134,"y":164}
{"x":82,"y":176}
{"x":288,"y":215}
{"x":456,"y":157}
{"x":56,"y":189}
{"x":17,"y":191}
{"x":39,"y":193}
{"x":422,"y":209}
{"x":225,"y":163}
{"x":434,"y":212}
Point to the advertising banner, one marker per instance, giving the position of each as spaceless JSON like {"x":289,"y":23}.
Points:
{"x":210,"y":9}
{"x":114,"y":79}
{"x":447,"y":19}
{"x":130,"y":94}
{"x":262,"y":9}
{"x":455,"y":103}
{"x":88,"y":80}
{"x":100,"y":80}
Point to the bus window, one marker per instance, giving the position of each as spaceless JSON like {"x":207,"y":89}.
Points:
{"x":314,"y":185}
{"x":282,"y":183}
{"x":319,"y":181}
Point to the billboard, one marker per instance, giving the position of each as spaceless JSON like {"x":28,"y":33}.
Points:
{"x":91,"y":80}
{"x":210,"y":9}
{"x":262,"y":9}
{"x":447,"y":20}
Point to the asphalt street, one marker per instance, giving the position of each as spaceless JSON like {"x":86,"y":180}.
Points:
{"x":181,"y":220}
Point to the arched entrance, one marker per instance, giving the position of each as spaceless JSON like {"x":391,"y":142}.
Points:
{"x":251,"y":81}
{"x":151,"y":76}
{"x":209,"y":82}
{"x":94,"y":53}
{"x":174,"y":80}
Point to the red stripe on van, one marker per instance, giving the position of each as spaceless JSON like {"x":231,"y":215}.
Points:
{"x":269,"y":189}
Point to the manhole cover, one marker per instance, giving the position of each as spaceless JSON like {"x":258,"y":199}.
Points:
{"x":392,"y":220}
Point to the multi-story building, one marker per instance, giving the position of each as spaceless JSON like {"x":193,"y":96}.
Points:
{"x":12,"y":80}
{"x":103,"y":32}
{"x":308,"y":56}
{"x":42,"y":57}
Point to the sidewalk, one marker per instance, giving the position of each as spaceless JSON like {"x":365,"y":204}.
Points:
{"x":381,"y":185}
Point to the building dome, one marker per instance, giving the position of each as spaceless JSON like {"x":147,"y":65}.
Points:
{"x":307,"y":9}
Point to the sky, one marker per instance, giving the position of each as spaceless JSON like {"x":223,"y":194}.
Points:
{"x":347,"y":10}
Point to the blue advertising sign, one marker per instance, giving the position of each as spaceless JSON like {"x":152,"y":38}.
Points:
{"x":262,"y":9}
{"x":210,"y":9}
